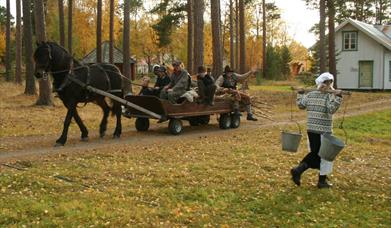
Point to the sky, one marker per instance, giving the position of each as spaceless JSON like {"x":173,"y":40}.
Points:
{"x":298,"y":17}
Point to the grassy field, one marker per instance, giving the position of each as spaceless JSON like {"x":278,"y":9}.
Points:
{"x":234,"y":178}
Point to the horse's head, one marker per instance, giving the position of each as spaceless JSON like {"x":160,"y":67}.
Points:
{"x":43,"y":59}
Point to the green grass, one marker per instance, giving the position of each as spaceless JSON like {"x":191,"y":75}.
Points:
{"x":367,"y":127}
{"x":239,"y":179}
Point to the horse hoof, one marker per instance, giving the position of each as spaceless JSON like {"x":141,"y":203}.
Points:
{"x":84,"y":139}
{"x":116,"y":136}
{"x":58,"y":144}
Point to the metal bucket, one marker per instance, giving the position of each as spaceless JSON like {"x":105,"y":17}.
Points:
{"x":290,"y":141}
{"x":330,"y":147}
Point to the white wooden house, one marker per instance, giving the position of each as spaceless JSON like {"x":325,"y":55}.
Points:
{"x":364,"y":55}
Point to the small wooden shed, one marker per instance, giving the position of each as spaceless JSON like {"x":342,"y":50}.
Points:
{"x":90,"y":58}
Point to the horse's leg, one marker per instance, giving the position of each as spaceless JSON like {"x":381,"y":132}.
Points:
{"x":63,"y":138}
{"x":83,"y":128}
{"x":106,"y":111}
{"x":118,"y":113}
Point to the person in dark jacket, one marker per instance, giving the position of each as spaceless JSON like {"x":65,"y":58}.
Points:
{"x":206,"y":86}
{"x":162,"y":79}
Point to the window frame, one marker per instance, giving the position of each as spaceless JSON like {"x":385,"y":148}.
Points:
{"x":343,"y":41}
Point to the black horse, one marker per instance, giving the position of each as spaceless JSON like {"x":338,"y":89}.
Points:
{"x":52,"y":58}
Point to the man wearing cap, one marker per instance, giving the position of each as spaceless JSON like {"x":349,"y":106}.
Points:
{"x":180,"y":83}
{"x":227,"y":83}
{"x":320,"y":106}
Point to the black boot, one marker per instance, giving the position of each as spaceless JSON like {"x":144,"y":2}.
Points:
{"x":323,"y":182}
{"x":251,"y":117}
{"x":297,"y":171}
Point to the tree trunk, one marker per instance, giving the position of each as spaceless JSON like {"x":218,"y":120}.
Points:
{"x":199,"y":8}
{"x":332,"y":60}
{"x":28,"y":48}
{"x":242,"y":37}
{"x":70,"y":9}
{"x":61,"y":22}
{"x":236,"y":35}
{"x":44,"y":97}
{"x":99,"y":32}
{"x":111,"y":39}
{"x":322,"y":28}
{"x":8,"y":60}
{"x":18,"y":38}
{"x":126,"y":48}
{"x":231,"y":34}
{"x":190,"y":36}
{"x":264,"y":38}
{"x":216,"y":39}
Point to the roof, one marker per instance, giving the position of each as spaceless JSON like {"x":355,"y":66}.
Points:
{"x":371,"y":30}
{"x":118,"y":55}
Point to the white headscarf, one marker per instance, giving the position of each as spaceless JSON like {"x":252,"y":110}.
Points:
{"x":324,"y":77}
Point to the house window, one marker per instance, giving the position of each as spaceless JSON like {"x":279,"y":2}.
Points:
{"x":350,"y":41}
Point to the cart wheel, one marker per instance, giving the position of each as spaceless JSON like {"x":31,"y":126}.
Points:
{"x":142,"y":124}
{"x":235,"y":121}
{"x":175,"y":126}
{"x":204,"y":120}
{"x":225,"y":121}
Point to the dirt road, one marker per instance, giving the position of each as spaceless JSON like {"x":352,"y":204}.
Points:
{"x":38,"y":147}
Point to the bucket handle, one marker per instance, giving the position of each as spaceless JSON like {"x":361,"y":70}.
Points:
{"x":297,"y":124}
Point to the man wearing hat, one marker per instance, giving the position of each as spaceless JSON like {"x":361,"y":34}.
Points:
{"x":227,"y":83}
{"x":180,"y":83}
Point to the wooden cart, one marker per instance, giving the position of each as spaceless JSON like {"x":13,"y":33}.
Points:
{"x":196,"y":114}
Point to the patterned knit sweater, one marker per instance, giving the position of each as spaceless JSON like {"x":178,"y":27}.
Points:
{"x":320,"y":108}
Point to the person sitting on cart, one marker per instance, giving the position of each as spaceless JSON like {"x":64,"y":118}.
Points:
{"x":162,"y":79}
{"x":145,"y":89}
{"x":227,"y":84}
{"x":179,"y":85}
{"x":206,"y":86}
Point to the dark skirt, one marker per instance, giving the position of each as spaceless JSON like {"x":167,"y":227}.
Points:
{"x":312,"y":158}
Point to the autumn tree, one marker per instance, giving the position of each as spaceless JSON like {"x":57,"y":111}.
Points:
{"x":190,"y":36}
{"x":236,"y":34}
{"x":18,"y":39}
{"x":70,"y":23}
{"x":322,"y":31}
{"x":8,"y":44}
{"x":44,"y":97}
{"x":199,"y":8}
{"x":264,"y":66}
{"x":111,"y":32}
{"x":231,"y":34}
{"x":61,"y":22}
{"x":30,"y":88}
{"x":126,"y":49}
{"x":242,"y":37}
{"x":99,"y":32}
{"x":331,"y":37}
{"x":216,"y":37}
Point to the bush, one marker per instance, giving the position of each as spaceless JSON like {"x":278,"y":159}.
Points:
{"x":306,"y":78}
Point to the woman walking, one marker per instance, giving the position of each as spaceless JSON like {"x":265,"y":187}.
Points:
{"x":320,"y":106}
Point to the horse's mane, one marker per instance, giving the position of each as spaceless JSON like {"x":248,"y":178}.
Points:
{"x":55,"y":44}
